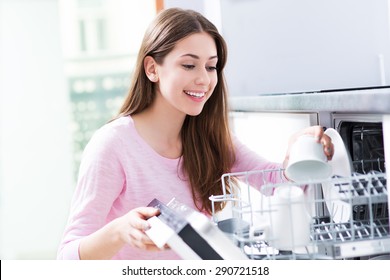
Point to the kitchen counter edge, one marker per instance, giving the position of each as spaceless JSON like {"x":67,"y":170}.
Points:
{"x":363,"y":101}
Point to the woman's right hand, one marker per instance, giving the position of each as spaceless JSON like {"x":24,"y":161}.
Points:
{"x":132,"y":226}
{"x":129,"y":229}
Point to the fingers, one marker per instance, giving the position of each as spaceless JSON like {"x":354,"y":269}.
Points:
{"x":324,"y":139}
{"x":318,"y":133}
{"x":147,"y":212}
{"x":326,"y":142}
{"x":315,"y":131}
{"x":141,"y":215}
{"x":140,"y":240}
{"x":136,"y":225}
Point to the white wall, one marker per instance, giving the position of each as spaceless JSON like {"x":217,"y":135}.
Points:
{"x":211,"y":9}
{"x":126,"y":22}
{"x":35,"y":145}
{"x":278,"y":46}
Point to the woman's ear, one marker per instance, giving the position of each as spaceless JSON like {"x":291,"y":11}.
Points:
{"x":150,"y":66}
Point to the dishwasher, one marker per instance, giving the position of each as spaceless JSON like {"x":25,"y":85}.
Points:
{"x":360,"y":228}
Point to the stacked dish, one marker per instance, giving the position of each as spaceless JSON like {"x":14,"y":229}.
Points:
{"x":334,"y":193}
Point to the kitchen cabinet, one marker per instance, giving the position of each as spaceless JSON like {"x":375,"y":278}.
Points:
{"x":283,"y":46}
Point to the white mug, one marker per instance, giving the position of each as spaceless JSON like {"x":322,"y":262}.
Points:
{"x":307,"y":160}
{"x":287,"y":226}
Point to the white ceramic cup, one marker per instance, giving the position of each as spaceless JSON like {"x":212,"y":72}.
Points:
{"x":288,"y":225}
{"x":307,"y":160}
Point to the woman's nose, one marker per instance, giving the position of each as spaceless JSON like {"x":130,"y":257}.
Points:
{"x":202,"y":77}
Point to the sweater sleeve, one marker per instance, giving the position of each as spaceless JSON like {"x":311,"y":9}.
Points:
{"x":248,"y":160}
{"x":101,"y":179}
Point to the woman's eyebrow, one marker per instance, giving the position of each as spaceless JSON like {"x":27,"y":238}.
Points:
{"x":197,"y":57}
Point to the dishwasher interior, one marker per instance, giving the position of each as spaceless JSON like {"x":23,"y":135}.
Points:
{"x":359,"y":231}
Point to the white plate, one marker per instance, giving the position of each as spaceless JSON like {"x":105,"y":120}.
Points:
{"x":339,"y":210}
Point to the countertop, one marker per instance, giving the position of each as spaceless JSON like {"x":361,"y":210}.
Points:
{"x":372,"y":100}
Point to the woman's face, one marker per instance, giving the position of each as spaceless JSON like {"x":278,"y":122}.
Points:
{"x":188,"y":74}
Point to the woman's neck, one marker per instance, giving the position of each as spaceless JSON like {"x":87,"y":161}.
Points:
{"x":161,"y":129}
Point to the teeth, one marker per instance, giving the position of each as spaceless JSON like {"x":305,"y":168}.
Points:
{"x":195,"y":94}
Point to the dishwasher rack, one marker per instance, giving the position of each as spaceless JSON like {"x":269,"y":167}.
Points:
{"x":365,"y":233}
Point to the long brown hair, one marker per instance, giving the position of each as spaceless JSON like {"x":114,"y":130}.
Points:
{"x":207,"y":149}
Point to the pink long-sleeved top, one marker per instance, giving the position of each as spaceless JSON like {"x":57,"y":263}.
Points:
{"x":119,"y":172}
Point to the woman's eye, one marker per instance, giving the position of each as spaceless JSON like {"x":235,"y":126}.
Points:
{"x":211,"y":68}
{"x":188,"y":66}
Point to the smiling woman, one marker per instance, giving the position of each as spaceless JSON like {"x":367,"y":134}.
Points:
{"x":171,"y":138}
{"x":159,"y":143}
{"x":190,"y":68}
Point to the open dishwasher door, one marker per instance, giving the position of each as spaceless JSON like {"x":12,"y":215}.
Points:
{"x":190,"y":233}
{"x":386,"y":139}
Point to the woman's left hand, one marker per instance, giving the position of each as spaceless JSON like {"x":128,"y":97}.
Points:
{"x":320,"y":137}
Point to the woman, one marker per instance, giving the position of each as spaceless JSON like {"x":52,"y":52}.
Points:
{"x":171,"y":139}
